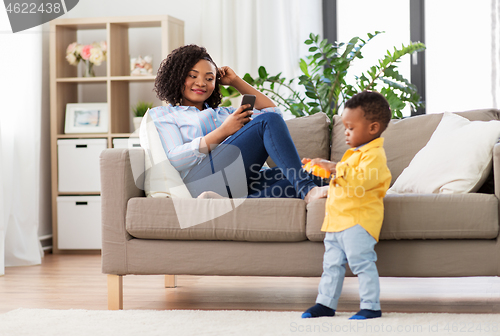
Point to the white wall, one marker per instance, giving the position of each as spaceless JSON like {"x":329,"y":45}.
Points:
{"x":188,"y":11}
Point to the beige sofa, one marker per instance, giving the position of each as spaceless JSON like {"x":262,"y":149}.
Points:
{"x":422,"y":235}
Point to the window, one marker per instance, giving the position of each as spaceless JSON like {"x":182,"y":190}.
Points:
{"x":402,"y":21}
{"x":459,"y":55}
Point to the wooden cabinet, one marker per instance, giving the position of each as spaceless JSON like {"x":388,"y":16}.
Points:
{"x":112,"y":83}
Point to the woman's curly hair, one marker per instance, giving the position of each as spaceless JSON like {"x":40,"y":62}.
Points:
{"x":174,"y":69}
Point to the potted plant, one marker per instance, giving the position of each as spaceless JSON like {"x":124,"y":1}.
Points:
{"x":139,"y":111}
{"x":325,"y":88}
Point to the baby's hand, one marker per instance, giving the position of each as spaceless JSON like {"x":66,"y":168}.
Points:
{"x":322,"y":163}
{"x":316,"y":193}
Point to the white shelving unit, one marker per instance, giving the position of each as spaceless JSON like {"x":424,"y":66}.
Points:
{"x":78,"y":216}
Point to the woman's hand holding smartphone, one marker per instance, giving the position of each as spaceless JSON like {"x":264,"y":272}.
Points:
{"x":240,"y":117}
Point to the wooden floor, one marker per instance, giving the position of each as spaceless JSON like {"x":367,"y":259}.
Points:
{"x":76,"y":282}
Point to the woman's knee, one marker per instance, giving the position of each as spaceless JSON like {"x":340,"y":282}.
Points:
{"x":271,"y":117}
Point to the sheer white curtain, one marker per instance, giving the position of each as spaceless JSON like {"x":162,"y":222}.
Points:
{"x":495,"y":52}
{"x":20,"y":118}
{"x":245,"y":34}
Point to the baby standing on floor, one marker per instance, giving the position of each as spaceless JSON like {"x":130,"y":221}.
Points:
{"x":355,"y":208}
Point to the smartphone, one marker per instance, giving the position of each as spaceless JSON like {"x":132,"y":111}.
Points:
{"x":248,"y":99}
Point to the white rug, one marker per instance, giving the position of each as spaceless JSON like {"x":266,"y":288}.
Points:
{"x":44,"y":322}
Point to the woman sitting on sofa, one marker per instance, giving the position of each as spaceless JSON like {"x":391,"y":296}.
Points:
{"x":219,"y":151}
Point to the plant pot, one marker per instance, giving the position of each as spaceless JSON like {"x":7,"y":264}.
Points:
{"x":137,"y":123}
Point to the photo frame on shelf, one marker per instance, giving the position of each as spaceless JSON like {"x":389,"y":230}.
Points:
{"x":86,"y":118}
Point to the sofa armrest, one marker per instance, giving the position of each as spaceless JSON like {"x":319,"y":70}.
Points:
{"x":496,"y":169}
{"x":120,"y":169}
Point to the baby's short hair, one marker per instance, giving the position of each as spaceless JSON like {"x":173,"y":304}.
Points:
{"x":374,"y":105}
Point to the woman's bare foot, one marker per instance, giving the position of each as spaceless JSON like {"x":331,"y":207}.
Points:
{"x":316,"y":193}
{"x":210,"y":194}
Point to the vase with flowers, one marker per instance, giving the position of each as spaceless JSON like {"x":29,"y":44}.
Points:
{"x":90,"y":55}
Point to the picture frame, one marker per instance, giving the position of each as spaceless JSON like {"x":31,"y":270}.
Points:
{"x":86,"y":118}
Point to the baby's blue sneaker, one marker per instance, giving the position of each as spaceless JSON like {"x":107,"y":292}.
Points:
{"x":318,"y":310}
{"x":365,"y":314}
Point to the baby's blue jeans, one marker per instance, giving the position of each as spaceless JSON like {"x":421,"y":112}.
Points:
{"x":356,"y":247}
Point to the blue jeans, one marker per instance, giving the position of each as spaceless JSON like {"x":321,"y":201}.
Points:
{"x":356,"y":246}
{"x":240,"y":158}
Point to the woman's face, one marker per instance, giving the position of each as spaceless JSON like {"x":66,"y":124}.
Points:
{"x":199,"y":84}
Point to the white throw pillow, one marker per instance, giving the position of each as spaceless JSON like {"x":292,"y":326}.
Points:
{"x":457,"y":158}
{"x":161,"y":178}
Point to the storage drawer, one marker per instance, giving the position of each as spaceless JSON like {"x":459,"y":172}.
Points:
{"x":126,"y":143}
{"x":78,"y":164}
{"x":79,"y":222}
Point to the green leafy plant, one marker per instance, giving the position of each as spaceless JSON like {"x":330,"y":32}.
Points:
{"x":141,"y":108}
{"x":324,"y":74}
{"x":228,"y":93}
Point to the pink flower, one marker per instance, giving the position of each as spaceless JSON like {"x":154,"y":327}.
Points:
{"x":71,"y":48}
{"x":86,"y":52}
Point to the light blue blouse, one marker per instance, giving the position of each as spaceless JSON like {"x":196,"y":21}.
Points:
{"x":182,"y":127}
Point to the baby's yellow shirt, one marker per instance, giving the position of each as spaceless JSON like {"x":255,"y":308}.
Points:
{"x":356,"y":193}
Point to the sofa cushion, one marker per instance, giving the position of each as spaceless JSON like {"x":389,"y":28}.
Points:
{"x":161,"y":179}
{"x":262,"y":220}
{"x":430,"y":216}
{"x":311,"y":136}
{"x":404,"y":137}
{"x":462,"y":167}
